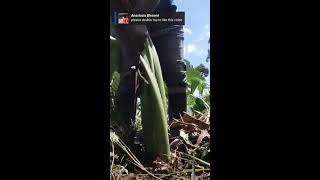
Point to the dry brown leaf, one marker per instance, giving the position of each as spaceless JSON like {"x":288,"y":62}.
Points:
{"x":205,"y":118}
{"x":204,"y":133}
{"x":190,"y":119}
{"x":189,"y":127}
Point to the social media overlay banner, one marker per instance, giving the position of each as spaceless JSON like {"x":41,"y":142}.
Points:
{"x":177,"y":18}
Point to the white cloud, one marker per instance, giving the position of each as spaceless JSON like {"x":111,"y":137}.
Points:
{"x":187,"y":30}
{"x":194,"y":49}
{"x":204,"y":35}
{"x":201,"y":38}
{"x":201,"y":52}
{"x":191,"y":48}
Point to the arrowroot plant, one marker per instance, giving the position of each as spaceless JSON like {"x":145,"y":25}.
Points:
{"x":153,"y":99}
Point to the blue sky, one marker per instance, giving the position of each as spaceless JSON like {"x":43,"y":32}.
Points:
{"x":196,"y":30}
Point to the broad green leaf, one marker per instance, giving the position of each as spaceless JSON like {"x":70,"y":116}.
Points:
{"x":194,"y":85}
{"x":201,"y":87}
{"x":190,"y":100}
{"x":200,"y":105}
{"x":193,"y":74}
{"x":114,"y":84}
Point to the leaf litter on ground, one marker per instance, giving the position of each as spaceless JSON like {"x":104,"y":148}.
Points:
{"x":188,"y":152}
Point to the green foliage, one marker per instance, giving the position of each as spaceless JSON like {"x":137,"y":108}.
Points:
{"x":194,"y":79}
{"x":198,"y":90}
{"x":204,"y":71}
{"x":114,"y":84}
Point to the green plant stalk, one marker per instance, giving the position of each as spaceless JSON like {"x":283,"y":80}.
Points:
{"x":153,"y":115}
{"x":158,"y":73}
{"x":148,"y":54}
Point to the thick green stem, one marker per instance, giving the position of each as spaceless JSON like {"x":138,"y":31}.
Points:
{"x":154,"y":116}
{"x":158,"y":72}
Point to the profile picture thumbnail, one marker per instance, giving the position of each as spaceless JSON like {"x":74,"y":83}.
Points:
{"x":123,"y":18}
